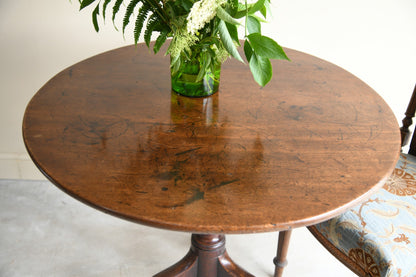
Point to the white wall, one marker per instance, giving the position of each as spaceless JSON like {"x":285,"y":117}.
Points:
{"x":373,"y":39}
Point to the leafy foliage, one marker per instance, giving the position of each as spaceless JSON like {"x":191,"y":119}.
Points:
{"x":116,"y":8}
{"x":181,"y":20}
{"x":129,"y":12}
{"x":106,"y":2}
{"x":141,"y":17}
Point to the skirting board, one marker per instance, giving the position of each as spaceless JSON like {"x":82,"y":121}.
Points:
{"x":18,"y":166}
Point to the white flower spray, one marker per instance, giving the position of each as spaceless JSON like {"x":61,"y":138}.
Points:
{"x":201,"y":13}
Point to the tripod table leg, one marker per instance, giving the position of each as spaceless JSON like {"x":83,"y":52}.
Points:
{"x":206,"y":258}
{"x":280,"y":260}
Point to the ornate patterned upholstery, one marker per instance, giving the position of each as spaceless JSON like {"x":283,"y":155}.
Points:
{"x":378,"y":237}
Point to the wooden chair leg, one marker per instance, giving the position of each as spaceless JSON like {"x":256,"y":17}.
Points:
{"x":280,"y":260}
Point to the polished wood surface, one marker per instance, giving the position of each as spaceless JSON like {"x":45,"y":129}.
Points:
{"x":352,"y":263}
{"x":312,"y":143}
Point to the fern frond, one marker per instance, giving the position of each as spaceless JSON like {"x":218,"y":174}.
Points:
{"x":95,"y":14}
{"x":159,"y":10}
{"x":129,"y":12}
{"x":160,"y":40}
{"x":85,"y":3}
{"x":151,"y":25}
{"x":116,"y":8}
{"x":106,"y":2}
{"x":141,"y":17}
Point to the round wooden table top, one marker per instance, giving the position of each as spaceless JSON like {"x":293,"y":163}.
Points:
{"x":312,"y":143}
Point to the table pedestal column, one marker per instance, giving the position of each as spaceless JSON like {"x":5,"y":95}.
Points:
{"x":206,"y":258}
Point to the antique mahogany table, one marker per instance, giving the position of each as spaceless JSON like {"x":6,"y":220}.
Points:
{"x":312,"y":143}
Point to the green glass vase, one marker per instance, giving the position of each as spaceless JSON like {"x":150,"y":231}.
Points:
{"x":188,"y":79}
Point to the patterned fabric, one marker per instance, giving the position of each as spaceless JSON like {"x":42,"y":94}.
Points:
{"x":380,"y":234}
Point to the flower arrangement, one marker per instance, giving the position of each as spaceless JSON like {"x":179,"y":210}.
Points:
{"x":205,"y":30}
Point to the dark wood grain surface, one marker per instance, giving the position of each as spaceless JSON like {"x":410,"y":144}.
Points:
{"x":312,"y":143}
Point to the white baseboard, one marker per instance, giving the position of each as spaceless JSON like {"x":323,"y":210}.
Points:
{"x":18,"y":166}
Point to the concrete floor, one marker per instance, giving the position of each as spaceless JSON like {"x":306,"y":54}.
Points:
{"x":44,"y":232}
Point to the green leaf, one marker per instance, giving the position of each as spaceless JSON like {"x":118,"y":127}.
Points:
{"x":86,"y":3}
{"x":157,"y":8}
{"x":116,"y":8}
{"x":248,"y":51}
{"x":205,"y":61}
{"x":152,"y":22}
{"x":266,"y":47}
{"x":259,"y":19}
{"x":186,"y":4}
{"x":261,"y":68}
{"x":129,"y":12}
{"x":232,"y":29}
{"x":106,"y":2}
{"x":267,"y":9}
{"x":95,"y":13}
{"x":160,"y":41}
{"x":175,"y":64}
{"x":232,"y":7}
{"x":141,"y":17}
{"x":222,"y":14}
{"x":240,"y":14}
{"x":263,"y":11}
{"x":242,"y":10}
{"x":228,"y":41}
{"x":253,"y":25}
{"x":256,"y":7}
